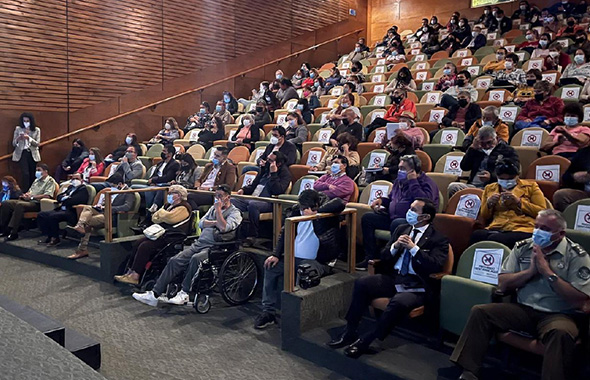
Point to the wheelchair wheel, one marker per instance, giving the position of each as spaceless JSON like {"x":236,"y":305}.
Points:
{"x":148,"y":285}
{"x":202,"y":304}
{"x":238,"y":278}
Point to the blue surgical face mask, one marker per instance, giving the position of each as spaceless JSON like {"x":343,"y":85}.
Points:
{"x":202,"y":111}
{"x":218,"y":108}
{"x":488,"y":124}
{"x":215,"y":161}
{"x":226,"y":99}
{"x":570,"y":121}
{"x":170,"y":198}
{"x":128,"y":140}
{"x":312,"y":75}
{"x":335,"y":168}
{"x":38,"y":174}
{"x":300,"y":107}
{"x":91,"y":157}
{"x":447,"y":71}
{"x":5,"y":187}
{"x":402,"y":174}
{"x":412,"y":217}
{"x":542,"y":238}
{"x":508,"y":184}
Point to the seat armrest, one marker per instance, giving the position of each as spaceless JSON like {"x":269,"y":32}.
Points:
{"x":438,"y":276}
{"x":98,"y":178}
{"x":47,"y":204}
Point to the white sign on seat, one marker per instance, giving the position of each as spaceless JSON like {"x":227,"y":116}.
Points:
{"x":547,"y":173}
{"x":376,"y":160}
{"x":486,"y":265}
{"x":306,"y":184}
{"x":378,"y":191}
{"x":314,"y":158}
{"x":468,"y":206}
{"x":508,"y":114}
{"x":453,"y":165}
{"x":531,"y":138}
{"x":449,"y":137}
{"x":324,"y":135}
{"x":436,"y":116}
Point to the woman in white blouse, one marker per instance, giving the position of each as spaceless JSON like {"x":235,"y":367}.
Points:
{"x":26,"y":148}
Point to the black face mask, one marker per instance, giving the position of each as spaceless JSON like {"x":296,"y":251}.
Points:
{"x":580,"y":40}
{"x":163,"y":155}
{"x":345,"y":121}
{"x":531,"y":82}
{"x":354,"y":70}
{"x":396,"y":99}
{"x":462,"y":103}
{"x":460,"y":82}
{"x":539,"y":97}
{"x":259,"y":109}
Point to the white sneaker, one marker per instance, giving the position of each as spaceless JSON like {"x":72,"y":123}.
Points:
{"x":148,"y":298}
{"x":181,"y":298}
{"x":164,"y":299}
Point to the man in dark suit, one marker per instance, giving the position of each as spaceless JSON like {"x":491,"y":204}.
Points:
{"x":414,"y":252}
{"x":279,"y":142}
{"x":48,"y":221}
{"x":164,"y":173}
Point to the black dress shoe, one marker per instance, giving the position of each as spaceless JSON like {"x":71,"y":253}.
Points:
{"x":44,"y":241}
{"x":11,"y":237}
{"x":345,"y":339}
{"x":356,"y":349}
{"x":5,"y":234}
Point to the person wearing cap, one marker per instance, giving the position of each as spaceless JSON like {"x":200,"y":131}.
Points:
{"x":400,"y":103}
{"x":222,"y":218}
{"x":408,"y":128}
{"x":509,"y":207}
{"x":175,"y":210}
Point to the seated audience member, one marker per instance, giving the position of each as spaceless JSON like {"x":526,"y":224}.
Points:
{"x":434,"y":24}
{"x":336,"y":184}
{"x":199,"y":119}
{"x":231,"y":104}
{"x":363,"y":45}
{"x":92,"y":217}
{"x":549,"y":291}
{"x":222,"y":218}
{"x":478,"y":39}
{"x":279,"y":143}
{"x":544,"y":111}
{"x":48,"y":221}
{"x":273,"y":179}
{"x":333,"y":80}
{"x":463,"y":114}
{"x":411,"y":183}
{"x":297,"y":79}
{"x":174,"y":211}
{"x":348,"y":89}
{"x":319,"y":88}
{"x":409,"y":129}
{"x":358,"y":54}
{"x":480,"y":160}
{"x":316,"y":244}
{"x":414,"y":252}
{"x":577,"y":72}
{"x":357,"y":71}
{"x":542,"y":49}
{"x":503,"y":23}
{"x":400,"y":104}
{"x":287,"y":92}
{"x":498,"y":64}
{"x":490,"y":118}
{"x":580,"y":42}
{"x":349,"y":123}
{"x":511,"y":75}
{"x":563,"y":7}
{"x":432,"y":45}
{"x":486,"y":18}
{"x":398,"y":146}
{"x":571,"y":136}
{"x":313,"y":74}
{"x":92,"y":166}
{"x":402,"y":80}
{"x":397,"y":54}
{"x":575,"y":180}
{"x":585,"y":93}
{"x":557,"y":59}
{"x":346,"y":145}
{"x":570,"y":29}
{"x":10,"y":189}
{"x":261,"y":114}
{"x":463,"y":32}
{"x":13,"y":210}
{"x":119,"y":153}
{"x":312,"y":98}
{"x":423,"y":30}
{"x":222,"y":113}
{"x":296,"y":129}
{"x":189,"y":172}
{"x":168,"y":134}
{"x":72,"y":161}
{"x":212,"y":131}
{"x":304,"y":111}
{"x":523,"y":12}
{"x":526,"y":92}
{"x":129,"y":168}
{"x":450,"y":96}
{"x":220,"y":171}
{"x":448,"y":79}
{"x":164,"y":173}
{"x":532,"y":41}
{"x":347,"y":102}
{"x":509,"y":207}
{"x":247,"y":134}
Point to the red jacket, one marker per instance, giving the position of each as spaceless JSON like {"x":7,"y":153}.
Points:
{"x":93,"y":173}
{"x":394,"y":111}
{"x":551,"y":108}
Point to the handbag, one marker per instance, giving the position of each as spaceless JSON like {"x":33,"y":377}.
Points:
{"x":219,"y":236}
{"x":154,"y":232}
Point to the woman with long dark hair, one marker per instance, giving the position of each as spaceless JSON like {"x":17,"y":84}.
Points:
{"x":25,"y":140}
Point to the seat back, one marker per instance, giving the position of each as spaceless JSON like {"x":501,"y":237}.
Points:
{"x":454,"y":200}
{"x":256,"y":153}
{"x":375,"y":190}
{"x":531,"y":137}
{"x":466,"y":261}
{"x":449,"y":165}
{"x":155,"y":150}
{"x":569,"y":93}
{"x":306,"y":181}
{"x":239,"y":154}
{"x":197,"y":151}
{"x":548,"y":174}
{"x":314,"y":155}
{"x":458,"y":230}
{"x":371,"y":116}
{"x":571,"y":212}
{"x":245,"y":179}
{"x":434,"y":115}
{"x":449,"y":136}
{"x":375,"y":158}
{"x":426,"y":162}
{"x":323,"y":135}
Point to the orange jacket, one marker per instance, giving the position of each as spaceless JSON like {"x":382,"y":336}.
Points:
{"x":394,"y":111}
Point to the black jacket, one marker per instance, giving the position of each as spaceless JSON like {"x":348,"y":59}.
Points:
{"x":79,"y":196}
{"x":473,"y":114}
{"x":430,"y":258}
{"x":120,"y":151}
{"x":288,"y":149}
{"x":206,"y":137}
{"x":504,"y":25}
{"x":278,"y":184}
{"x":393,"y":164}
{"x":254,"y":135}
{"x":355,"y":129}
{"x":480,"y":41}
{"x":169,"y":173}
{"x":74,"y":159}
{"x":579,"y":163}
{"x":473,"y":158}
{"x":325,"y":229}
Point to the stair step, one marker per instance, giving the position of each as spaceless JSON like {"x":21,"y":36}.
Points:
{"x":85,"y":348}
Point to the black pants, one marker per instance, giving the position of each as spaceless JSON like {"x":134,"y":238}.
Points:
{"x":368,"y":288}
{"x":508,"y":238}
{"x":27,"y":168}
{"x":377,"y":123}
{"x":144,"y":250}
{"x":48,"y":221}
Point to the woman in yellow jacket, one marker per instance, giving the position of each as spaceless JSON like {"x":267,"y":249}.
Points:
{"x":509,"y":207}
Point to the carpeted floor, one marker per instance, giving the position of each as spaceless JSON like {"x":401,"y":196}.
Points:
{"x":140,"y":342}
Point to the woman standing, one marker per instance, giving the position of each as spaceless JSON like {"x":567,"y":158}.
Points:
{"x":26,"y":148}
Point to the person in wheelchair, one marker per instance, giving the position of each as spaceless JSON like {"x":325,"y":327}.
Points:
{"x":316,"y":244}
{"x":222,"y":218}
{"x":175,"y":210}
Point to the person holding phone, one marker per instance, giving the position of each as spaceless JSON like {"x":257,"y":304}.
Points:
{"x":25,"y":141}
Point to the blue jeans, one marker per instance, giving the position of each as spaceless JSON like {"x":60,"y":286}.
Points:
{"x":254,"y":208}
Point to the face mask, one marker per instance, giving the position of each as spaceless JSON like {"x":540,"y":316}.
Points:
{"x":453,"y":21}
{"x":460,"y":82}
{"x":499,"y":19}
{"x":75,"y":182}
{"x":355,"y":69}
{"x":474,"y":33}
{"x":412,"y":217}
{"x":170,"y":198}
{"x":529,"y":37}
{"x":38,"y":175}
{"x":554,"y":54}
{"x":312,"y":75}
{"x":344,"y":105}
{"x":579,"y":59}
{"x":5,"y":187}
{"x":462,"y":103}
{"x":128,"y":140}
{"x":425,"y":29}
{"x":345,"y":121}
{"x":447,"y":71}
{"x":531,"y":82}
{"x":274,"y":140}
{"x":129,"y":156}
{"x":357,"y":49}
{"x":487,"y":151}
{"x":27,"y":124}
{"x":543,"y":43}
{"x":487,"y":124}
{"x":300,"y":107}
{"x":570,"y":121}
{"x":218,"y":108}
{"x":279,"y":76}
{"x":432,"y":22}
{"x":335,"y":168}
{"x":580,"y":40}
{"x":542,"y":238}
{"x":508,"y":65}
{"x":258,"y":109}
{"x":461,"y":24}
{"x":226,"y":99}
{"x":292,"y":122}
{"x":163,"y":155}
{"x":486,"y":12}
{"x":396,"y":99}
{"x":247,"y":122}
{"x":523,"y":7}
{"x":494,"y":13}
{"x":539,"y":97}
{"x":423,"y":39}
{"x":215,"y":161}
{"x":202,"y":111}
{"x":167,"y":126}
{"x":508,"y":184}
{"x":316,"y":84}
{"x":402,"y":174}
{"x":499,"y":57}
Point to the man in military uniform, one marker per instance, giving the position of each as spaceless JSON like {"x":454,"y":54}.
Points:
{"x":551,"y":276}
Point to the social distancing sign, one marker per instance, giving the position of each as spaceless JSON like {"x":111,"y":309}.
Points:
{"x":582,"y":218}
{"x":378,"y":191}
{"x":377,"y":160}
{"x":306,"y":184}
{"x":547,"y":173}
{"x":468,"y":206}
{"x":486,"y":265}
{"x":453,"y":165}
{"x":532,"y":138}
{"x":449,"y":137}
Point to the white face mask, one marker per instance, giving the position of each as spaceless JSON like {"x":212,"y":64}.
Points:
{"x":27,"y":124}
{"x":167,"y":126}
{"x":75,"y":182}
{"x":128,"y":140}
{"x":274,"y":140}
{"x":487,"y":151}
{"x":247,"y":122}
{"x":508,"y":65}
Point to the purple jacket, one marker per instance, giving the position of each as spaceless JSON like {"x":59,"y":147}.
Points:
{"x":344,"y":186}
{"x":406,"y":191}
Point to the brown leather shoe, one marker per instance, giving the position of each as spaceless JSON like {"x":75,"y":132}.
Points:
{"x":78,"y":255}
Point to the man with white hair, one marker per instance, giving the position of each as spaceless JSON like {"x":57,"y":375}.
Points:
{"x":551,"y":277}
{"x":490,"y":118}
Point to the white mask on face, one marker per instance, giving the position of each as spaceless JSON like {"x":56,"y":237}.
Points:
{"x":167,"y":126}
{"x":247,"y":122}
{"x":27,"y":124}
{"x":274,"y":140}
